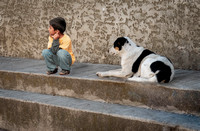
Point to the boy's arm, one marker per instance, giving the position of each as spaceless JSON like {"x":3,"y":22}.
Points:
{"x":55,"y":46}
{"x":51,"y":38}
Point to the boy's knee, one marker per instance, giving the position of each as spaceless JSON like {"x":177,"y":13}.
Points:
{"x":45,"y":52}
{"x":62,"y":53}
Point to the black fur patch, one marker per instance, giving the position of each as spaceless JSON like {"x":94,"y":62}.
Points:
{"x":120,"y":42}
{"x":164,"y":71}
{"x":136,"y":64}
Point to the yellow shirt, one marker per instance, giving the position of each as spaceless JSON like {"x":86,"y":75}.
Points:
{"x":65,"y":43}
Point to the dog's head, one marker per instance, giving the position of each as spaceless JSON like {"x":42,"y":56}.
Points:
{"x":119,"y":44}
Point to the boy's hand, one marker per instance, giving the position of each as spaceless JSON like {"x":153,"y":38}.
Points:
{"x":56,"y":36}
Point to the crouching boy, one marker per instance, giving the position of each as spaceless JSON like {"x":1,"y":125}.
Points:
{"x":59,"y":52}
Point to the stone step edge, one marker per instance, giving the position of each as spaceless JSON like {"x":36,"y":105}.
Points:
{"x":126,"y":93}
{"x":154,"y":118}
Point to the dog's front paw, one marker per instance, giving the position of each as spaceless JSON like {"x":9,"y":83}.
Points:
{"x":100,"y":74}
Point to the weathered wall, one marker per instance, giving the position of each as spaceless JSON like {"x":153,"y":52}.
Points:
{"x":168,"y":27}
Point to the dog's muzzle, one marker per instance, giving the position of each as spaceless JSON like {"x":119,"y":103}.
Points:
{"x":113,"y":51}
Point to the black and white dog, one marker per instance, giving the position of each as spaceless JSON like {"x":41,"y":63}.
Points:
{"x":142,"y":64}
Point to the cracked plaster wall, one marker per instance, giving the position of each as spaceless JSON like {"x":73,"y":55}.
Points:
{"x":167,"y":27}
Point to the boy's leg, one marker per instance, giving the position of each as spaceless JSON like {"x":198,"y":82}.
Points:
{"x":64,"y":59}
{"x":50,"y":59}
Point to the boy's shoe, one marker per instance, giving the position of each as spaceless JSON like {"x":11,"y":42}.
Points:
{"x":52,"y":72}
{"x":64,"y":72}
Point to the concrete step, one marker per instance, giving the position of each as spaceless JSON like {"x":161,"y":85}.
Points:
{"x":32,"y":111}
{"x":181,"y":95}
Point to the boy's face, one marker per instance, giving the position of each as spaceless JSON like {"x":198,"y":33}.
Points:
{"x":52,"y":31}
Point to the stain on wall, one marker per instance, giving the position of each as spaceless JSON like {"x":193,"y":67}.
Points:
{"x":168,"y":27}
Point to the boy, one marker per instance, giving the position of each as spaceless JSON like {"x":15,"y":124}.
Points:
{"x":59,"y":52}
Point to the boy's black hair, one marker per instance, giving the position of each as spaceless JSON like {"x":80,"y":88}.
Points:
{"x":58,"y":23}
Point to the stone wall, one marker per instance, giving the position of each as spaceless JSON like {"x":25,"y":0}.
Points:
{"x":168,"y":27}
